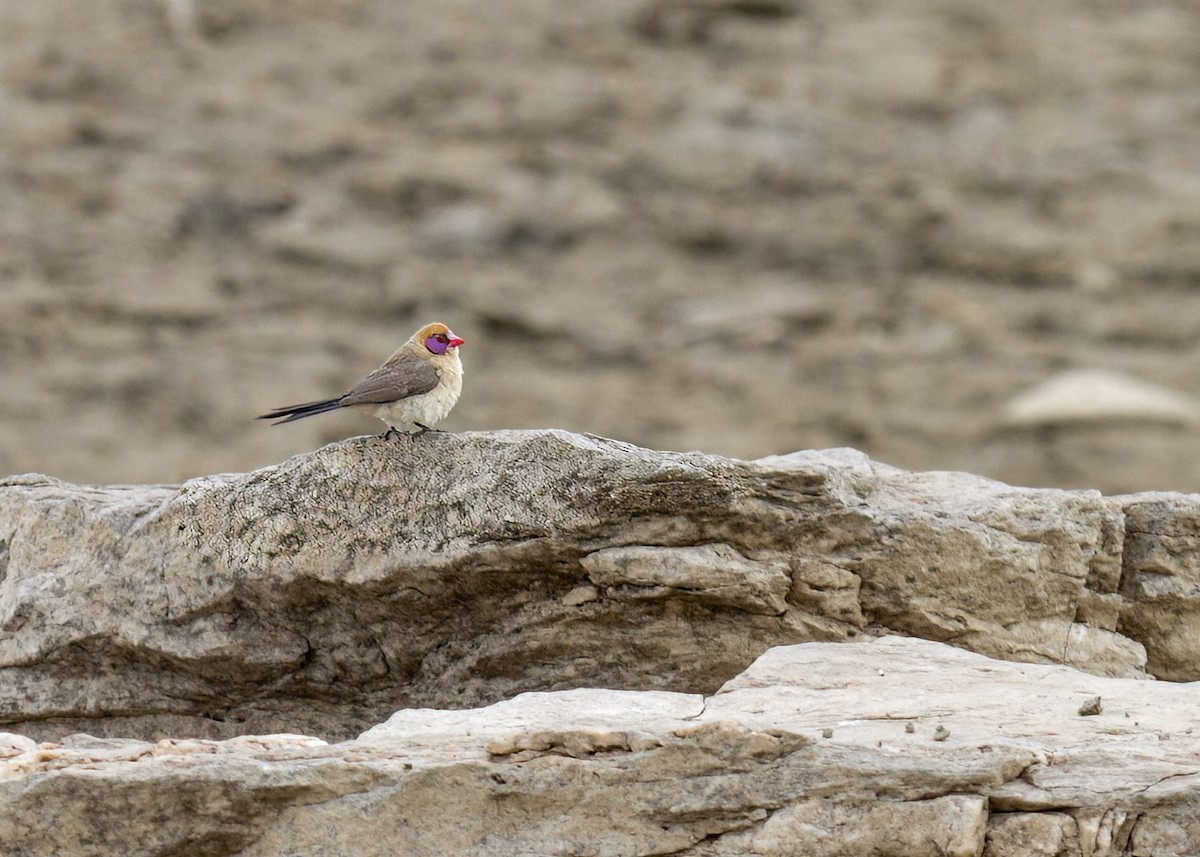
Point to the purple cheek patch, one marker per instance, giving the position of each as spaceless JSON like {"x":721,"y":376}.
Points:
{"x":435,"y":346}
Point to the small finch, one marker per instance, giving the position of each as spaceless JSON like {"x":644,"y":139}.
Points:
{"x":411,"y":392}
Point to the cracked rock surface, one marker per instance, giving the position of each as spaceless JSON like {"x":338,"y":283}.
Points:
{"x":895,"y":747}
{"x":456,"y":570}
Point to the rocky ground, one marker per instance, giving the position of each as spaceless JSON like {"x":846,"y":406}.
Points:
{"x":744,"y":228}
{"x":537,"y":642}
{"x":826,"y":750}
{"x":323,"y":594}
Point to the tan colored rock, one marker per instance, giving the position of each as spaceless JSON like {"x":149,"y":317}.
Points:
{"x":744,"y":771}
{"x":455,"y":570}
{"x":716,"y":573}
{"x":1032,"y":834}
{"x":1161,"y":581}
{"x":1098,"y":396}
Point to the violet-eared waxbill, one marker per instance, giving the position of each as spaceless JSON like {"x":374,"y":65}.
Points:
{"x":411,"y":392}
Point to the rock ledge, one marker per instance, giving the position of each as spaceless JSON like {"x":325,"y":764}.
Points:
{"x":322,"y":594}
{"x":897,"y":747}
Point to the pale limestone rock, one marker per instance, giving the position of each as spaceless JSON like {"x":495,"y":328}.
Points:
{"x":452,"y":570}
{"x":1161,"y":583}
{"x":1096,"y":396}
{"x":714,"y":573}
{"x":580,"y":595}
{"x":1032,"y":834}
{"x":610,"y":772}
{"x":12,"y":744}
{"x":950,"y":826}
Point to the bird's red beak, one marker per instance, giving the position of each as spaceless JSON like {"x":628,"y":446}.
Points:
{"x":455,"y":341}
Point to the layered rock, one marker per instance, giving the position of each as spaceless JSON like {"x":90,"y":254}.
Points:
{"x":895,"y":747}
{"x":456,"y":570}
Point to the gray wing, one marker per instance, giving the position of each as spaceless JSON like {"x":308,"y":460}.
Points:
{"x":402,"y":376}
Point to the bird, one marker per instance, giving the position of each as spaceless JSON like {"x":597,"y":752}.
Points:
{"x":412,"y":391}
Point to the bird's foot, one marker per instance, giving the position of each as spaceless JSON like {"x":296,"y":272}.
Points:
{"x":391,"y":431}
{"x":424,"y":428}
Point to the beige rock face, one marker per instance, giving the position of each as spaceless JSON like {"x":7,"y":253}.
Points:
{"x":448,"y":571}
{"x":677,"y":654}
{"x":1161,"y":581}
{"x":895,"y":747}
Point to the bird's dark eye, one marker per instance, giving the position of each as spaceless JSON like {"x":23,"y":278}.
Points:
{"x":441,"y":337}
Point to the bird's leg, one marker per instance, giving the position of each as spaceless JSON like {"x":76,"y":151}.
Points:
{"x":391,"y":431}
{"x":424,"y":428}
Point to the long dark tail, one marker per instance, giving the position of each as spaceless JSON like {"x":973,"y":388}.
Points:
{"x":299,"y":412}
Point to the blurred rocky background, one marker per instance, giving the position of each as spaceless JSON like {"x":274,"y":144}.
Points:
{"x":954,"y":234}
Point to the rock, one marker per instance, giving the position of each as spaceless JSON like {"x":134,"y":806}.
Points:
{"x":15,"y":745}
{"x":1097,"y":396}
{"x":1160,"y":584}
{"x":456,"y":570}
{"x":743,"y":771}
{"x":716,"y":574}
{"x":1033,"y":834}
